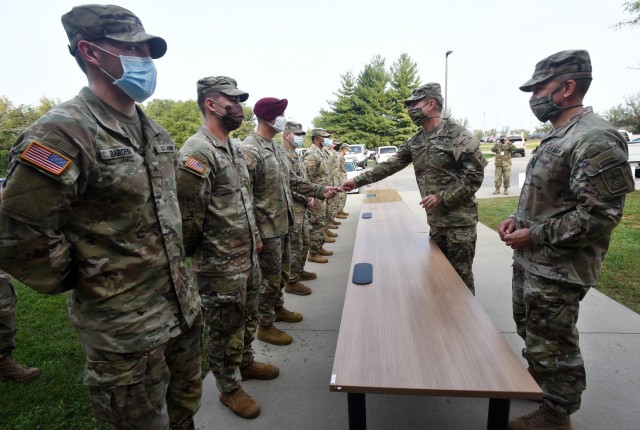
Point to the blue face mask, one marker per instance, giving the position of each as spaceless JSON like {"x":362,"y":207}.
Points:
{"x":297,"y":141}
{"x":327,"y":142}
{"x":139,"y":78}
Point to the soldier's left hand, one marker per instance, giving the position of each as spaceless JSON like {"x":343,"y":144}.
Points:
{"x":431,"y":201}
{"x":519,"y":239}
{"x":311,"y":202}
{"x":330,"y":192}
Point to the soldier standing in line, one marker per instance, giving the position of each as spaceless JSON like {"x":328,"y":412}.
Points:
{"x":10,"y":369}
{"x":449,"y":169}
{"x":572,"y":199}
{"x":271,"y":181}
{"x":221,"y":235}
{"x":343,"y":149}
{"x":503,"y":150}
{"x":299,"y":230}
{"x":317,"y":166}
{"x":90,"y":205}
{"x":334,"y":177}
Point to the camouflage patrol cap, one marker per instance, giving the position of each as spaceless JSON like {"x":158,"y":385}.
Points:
{"x":220,"y":84}
{"x":432,"y":89}
{"x":576,"y":62}
{"x":320,"y":132}
{"x":94,"y":21}
{"x":295,"y":128}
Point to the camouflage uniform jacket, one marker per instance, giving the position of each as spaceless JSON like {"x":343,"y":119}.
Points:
{"x":317,"y":166}
{"x":503,"y":153}
{"x":220,"y":230}
{"x":343,"y":168}
{"x":447,"y":162}
{"x":296,"y":163}
{"x":271,"y":181}
{"x":572,"y":198}
{"x":99,"y":215}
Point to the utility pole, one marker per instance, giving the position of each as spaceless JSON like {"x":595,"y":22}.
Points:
{"x":446,"y":80}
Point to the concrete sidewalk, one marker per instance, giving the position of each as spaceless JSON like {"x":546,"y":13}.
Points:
{"x":300,"y":398}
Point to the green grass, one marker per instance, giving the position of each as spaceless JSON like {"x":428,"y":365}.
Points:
{"x":619,"y":276}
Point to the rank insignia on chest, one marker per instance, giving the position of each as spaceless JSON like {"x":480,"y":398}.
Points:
{"x":46,"y":158}
{"x":194,"y":164}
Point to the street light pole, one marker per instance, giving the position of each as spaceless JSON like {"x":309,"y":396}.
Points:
{"x":446,"y":80}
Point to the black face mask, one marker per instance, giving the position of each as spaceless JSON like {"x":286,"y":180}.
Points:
{"x":233,"y":117}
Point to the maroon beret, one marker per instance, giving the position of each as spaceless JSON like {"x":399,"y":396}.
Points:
{"x":269,"y":108}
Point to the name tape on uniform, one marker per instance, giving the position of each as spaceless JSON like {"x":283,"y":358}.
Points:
{"x":165,"y":148}
{"x":46,"y":158}
{"x":110,"y":154}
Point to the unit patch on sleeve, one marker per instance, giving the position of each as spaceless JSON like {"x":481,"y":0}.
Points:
{"x":46,"y":158}
{"x":195,"y":165}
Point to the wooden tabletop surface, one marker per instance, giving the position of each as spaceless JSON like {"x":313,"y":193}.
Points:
{"x":416,"y":329}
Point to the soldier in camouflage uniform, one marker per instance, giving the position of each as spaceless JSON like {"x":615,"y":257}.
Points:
{"x":343,"y":149}
{"x":318,"y":171}
{"x":271,"y":181}
{"x":572,"y":199}
{"x":90,"y":205}
{"x":332,"y":207}
{"x":449,"y":170}
{"x":299,"y":230}
{"x":503,"y":150}
{"x":10,"y":369}
{"x":221,"y":235}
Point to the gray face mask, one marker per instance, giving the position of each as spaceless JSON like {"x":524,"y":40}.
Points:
{"x":544,"y":108}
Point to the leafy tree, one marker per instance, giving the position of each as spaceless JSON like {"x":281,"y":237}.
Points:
{"x":544,"y":128}
{"x":626,"y":115}
{"x":248,"y":124}
{"x":180,"y":118}
{"x":633,"y":8}
{"x":14,"y":119}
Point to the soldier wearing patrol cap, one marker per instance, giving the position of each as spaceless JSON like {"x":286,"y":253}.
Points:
{"x":299,"y":230}
{"x":90,"y":205}
{"x":343,"y":150}
{"x":319,"y":171}
{"x":572,"y":199}
{"x":449,"y":169}
{"x":271,"y":182}
{"x":221,"y":235}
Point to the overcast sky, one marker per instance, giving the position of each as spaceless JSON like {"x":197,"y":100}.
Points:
{"x":297,"y":49}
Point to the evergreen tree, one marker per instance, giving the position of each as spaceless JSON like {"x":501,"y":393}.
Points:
{"x":404,"y":79}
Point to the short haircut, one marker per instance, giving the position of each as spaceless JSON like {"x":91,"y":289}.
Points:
{"x":203,"y":97}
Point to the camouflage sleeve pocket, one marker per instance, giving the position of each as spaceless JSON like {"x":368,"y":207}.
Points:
{"x":610,"y":172}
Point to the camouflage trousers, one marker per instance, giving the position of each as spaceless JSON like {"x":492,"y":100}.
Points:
{"x":546,"y":312}
{"x":503,"y":174}
{"x":341,"y":201}
{"x":275,"y":264}
{"x":299,"y":233}
{"x":332,"y":211}
{"x":8,"y":300}
{"x":230,"y":305}
{"x":155,"y":389}
{"x":458,"y":244}
{"x":318,"y":221}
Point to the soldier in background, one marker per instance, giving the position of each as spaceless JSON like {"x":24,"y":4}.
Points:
{"x":271,"y":181}
{"x":101,"y":219}
{"x":334,"y":176}
{"x":503,"y":149}
{"x":318,"y":171}
{"x":220,"y":233}
{"x":299,"y":230}
{"x":10,"y":369}
{"x":573,"y":197}
{"x":449,"y":169}
{"x":343,"y":150}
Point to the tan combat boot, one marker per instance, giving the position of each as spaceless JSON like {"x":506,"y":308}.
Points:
{"x":240,"y":403}
{"x":334,"y":222}
{"x":285,"y":315}
{"x":11,"y":370}
{"x":332,"y":226}
{"x":342,"y":215}
{"x":274,"y":336}
{"x":258,"y":370}
{"x":506,"y":191}
{"x":328,"y":239}
{"x":316,"y":258}
{"x":543,"y":418}
{"x":325,"y":252}
{"x":497,"y":191}
{"x":297,"y":288}
{"x":308,"y":276}
{"x":332,"y":234}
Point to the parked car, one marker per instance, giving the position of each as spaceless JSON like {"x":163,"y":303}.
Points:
{"x":384,"y":152}
{"x":520,"y":142}
{"x":536,"y":136}
{"x":626,"y":134}
{"x":352,"y":172}
{"x":357,"y":153}
{"x":635,"y":140}
{"x":372,"y":155}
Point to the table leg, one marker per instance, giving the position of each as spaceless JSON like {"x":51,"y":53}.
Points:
{"x":498,"y":414}
{"x":357,"y":411}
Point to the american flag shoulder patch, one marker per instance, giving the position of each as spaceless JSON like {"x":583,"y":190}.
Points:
{"x":46,"y":158}
{"x":194,"y":164}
